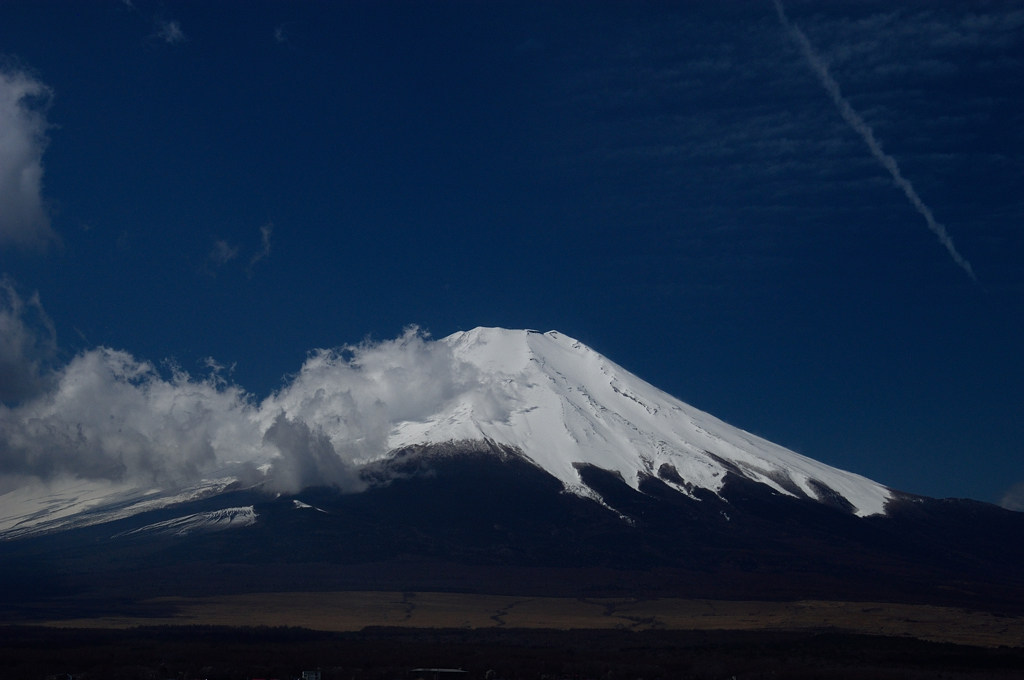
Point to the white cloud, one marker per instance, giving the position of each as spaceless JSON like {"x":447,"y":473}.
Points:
{"x":23,"y":217}
{"x":355,"y":394}
{"x":170,"y":31}
{"x":110,"y":416}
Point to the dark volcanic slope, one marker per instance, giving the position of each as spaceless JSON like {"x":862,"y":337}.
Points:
{"x":492,"y":522}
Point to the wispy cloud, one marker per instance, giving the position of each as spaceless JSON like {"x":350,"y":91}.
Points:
{"x":856,"y":122}
{"x":170,"y":31}
{"x":23,"y":102}
{"x":265,"y":231}
{"x":281,"y":33}
{"x":1013,"y":499}
{"x":222,"y":252}
{"x":27,"y":344}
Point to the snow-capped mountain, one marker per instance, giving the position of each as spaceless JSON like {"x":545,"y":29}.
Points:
{"x":504,"y":461}
{"x":545,"y":396}
{"x":562,"y":404}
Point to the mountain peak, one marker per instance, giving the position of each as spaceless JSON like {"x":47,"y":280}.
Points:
{"x":563,"y":405}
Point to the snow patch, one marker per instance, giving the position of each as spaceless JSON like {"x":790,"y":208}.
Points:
{"x":299,"y":505}
{"x":199,"y":523}
{"x":46,"y":507}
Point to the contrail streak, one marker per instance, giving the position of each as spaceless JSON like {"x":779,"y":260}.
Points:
{"x":864,"y":130}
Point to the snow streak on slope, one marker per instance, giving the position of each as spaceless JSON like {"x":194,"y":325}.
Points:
{"x":565,"y":404}
{"x":199,"y":523}
{"x":44,"y":507}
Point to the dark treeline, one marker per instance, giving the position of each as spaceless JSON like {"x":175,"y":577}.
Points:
{"x":189,"y":653}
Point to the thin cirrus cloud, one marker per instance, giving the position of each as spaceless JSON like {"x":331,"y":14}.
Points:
{"x":222,"y":252}
{"x":264,"y":252}
{"x":24,"y":220}
{"x":170,"y":31}
{"x":857,"y":123}
{"x":109,"y":416}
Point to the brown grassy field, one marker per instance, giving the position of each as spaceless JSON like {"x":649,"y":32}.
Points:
{"x":353,"y":611}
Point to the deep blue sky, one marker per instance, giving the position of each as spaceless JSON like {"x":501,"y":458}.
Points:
{"x":667,"y":182}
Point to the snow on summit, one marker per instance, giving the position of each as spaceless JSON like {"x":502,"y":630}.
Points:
{"x":563,"y":403}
